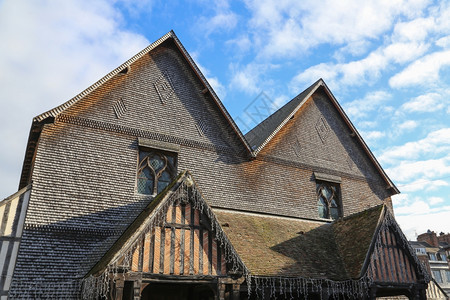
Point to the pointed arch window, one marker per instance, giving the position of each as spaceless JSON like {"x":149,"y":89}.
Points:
{"x":328,"y":203}
{"x":155,"y":171}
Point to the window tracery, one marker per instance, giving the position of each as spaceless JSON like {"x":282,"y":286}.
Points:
{"x":155,"y":171}
{"x":328,"y":203}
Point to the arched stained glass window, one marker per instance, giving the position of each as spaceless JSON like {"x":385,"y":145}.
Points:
{"x":328,"y":200}
{"x":156,"y":170}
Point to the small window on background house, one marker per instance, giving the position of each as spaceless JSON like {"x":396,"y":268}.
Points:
{"x":447,"y":273}
{"x":437,"y":276}
{"x":432,"y":256}
{"x":328,"y":203}
{"x":156,"y":170}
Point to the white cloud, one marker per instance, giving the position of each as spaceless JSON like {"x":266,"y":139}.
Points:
{"x":292,"y":25}
{"x":248,"y":78}
{"x":415,"y":30}
{"x":436,"y":142}
{"x":443,"y":42}
{"x":423,"y":185}
{"x":223,"y":19}
{"x":360,"y":108}
{"x":213,"y":81}
{"x":435,"y":200}
{"x":424,"y":103}
{"x":372,"y":136}
{"x":54,"y":50}
{"x":424,"y":71}
{"x":407,"y":125}
{"x":431,"y":168}
{"x":404,"y":52}
{"x":363,"y":71}
{"x":416,"y":216}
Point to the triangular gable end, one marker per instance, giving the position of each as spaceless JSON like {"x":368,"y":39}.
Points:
{"x":391,"y":261}
{"x":177,"y":234}
{"x":49,"y":116}
{"x":264,"y":132}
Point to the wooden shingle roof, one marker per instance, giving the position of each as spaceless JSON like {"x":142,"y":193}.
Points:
{"x":275,"y":246}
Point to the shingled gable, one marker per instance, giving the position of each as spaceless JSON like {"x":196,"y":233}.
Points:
{"x":171,"y":206}
{"x":49,"y":116}
{"x":265,"y":131}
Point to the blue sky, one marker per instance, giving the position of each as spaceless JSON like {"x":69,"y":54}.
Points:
{"x":387,"y":63}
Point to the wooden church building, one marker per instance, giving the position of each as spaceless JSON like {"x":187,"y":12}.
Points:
{"x":143,"y":187}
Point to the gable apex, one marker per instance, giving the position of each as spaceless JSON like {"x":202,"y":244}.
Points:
{"x":265,"y":131}
{"x":170,"y":35}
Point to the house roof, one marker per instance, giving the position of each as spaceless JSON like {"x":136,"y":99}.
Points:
{"x":300,"y":248}
{"x":262,"y":133}
{"x":53,"y":113}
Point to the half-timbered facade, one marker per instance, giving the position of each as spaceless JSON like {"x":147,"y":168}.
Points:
{"x":143,"y":187}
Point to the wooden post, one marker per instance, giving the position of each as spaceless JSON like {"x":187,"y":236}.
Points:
{"x":137,"y":288}
{"x":119,"y":289}
{"x":221,"y":293}
{"x":373,"y":293}
{"x":236,"y":291}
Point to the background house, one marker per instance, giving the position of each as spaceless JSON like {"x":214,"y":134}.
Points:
{"x":433,"y":250}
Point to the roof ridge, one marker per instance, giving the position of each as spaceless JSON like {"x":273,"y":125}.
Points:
{"x":60,"y":108}
{"x":258,"y":136}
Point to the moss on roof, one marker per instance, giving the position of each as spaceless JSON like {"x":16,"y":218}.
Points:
{"x":273,"y":246}
{"x":354,"y":235}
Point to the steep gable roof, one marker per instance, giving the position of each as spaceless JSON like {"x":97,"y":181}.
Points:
{"x":263,"y":133}
{"x":49,"y":116}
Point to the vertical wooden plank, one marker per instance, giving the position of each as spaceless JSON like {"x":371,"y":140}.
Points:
{"x":395,"y":258}
{"x":169,"y":214}
{"x":178,"y":252}
{"x":214,"y":257}
{"x":223,"y":263}
{"x":405,"y":263}
{"x":219,"y":259}
{"x":192,"y":243}
{"x":187,"y":213}
{"x":178,"y":209}
{"x":384,"y":267}
{"x":141,"y":255}
{"x":409,"y":268}
{"x":151,"y":253}
{"x":172,"y":250}
{"x":146,"y":258}
{"x":200,"y":252}
{"x":377,"y":265}
{"x":157,"y":250}
{"x":205,"y":252}
{"x":196,"y":251}
{"x":187,"y":252}
{"x":167,"y":247}
{"x":162,"y":251}
{"x":182,"y":247}
{"x":135,"y":260}
{"x":196,"y":217}
{"x":401,"y":268}
{"x":392,"y":264}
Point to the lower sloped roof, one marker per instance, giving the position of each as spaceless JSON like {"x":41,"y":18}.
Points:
{"x":276,"y":246}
